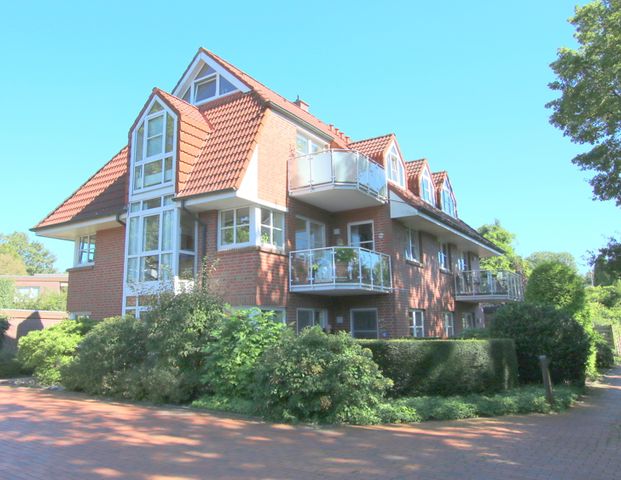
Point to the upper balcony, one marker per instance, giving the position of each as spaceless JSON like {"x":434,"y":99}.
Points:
{"x":339,"y":271}
{"x":488,"y":287}
{"x":337,"y":180}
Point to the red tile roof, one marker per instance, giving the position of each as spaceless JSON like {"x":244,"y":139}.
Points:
{"x":374,"y":148}
{"x":413,"y":169}
{"x":101,"y":195}
{"x":439,"y":178}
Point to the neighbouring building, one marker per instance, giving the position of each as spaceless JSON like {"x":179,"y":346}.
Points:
{"x":33,"y":286}
{"x":293,"y":215}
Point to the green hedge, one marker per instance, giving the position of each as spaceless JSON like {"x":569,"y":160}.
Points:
{"x":446,"y":367}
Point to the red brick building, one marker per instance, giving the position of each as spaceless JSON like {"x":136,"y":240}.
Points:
{"x":291,"y":214}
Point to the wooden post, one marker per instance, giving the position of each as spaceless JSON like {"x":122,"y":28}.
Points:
{"x":547,"y":382}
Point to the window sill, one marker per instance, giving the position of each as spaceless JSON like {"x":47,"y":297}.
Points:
{"x":445,"y":271}
{"x":85,"y":266}
{"x":414,"y":263}
{"x":252,"y":248}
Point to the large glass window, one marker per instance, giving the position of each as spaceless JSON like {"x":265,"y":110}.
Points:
{"x":364,"y":323}
{"x":426,"y":188}
{"x":305,"y":145}
{"x":417,"y":323}
{"x":309,"y":234}
{"x":86,"y":250}
{"x":449,"y":324}
{"x":412,"y":245}
{"x":153,"y":149}
{"x":235,"y":226}
{"x":309,"y":317}
{"x":395,"y":170}
{"x":444,"y":256}
{"x":361,"y":235}
{"x":272,"y":228}
{"x":463,"y":262}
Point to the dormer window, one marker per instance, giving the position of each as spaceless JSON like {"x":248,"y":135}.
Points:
{"x":426,"y":187}
{"x":448,"y":200}
{"x":207,"y":85}
{"x":396,"y":171}
{"x":153,"y":149}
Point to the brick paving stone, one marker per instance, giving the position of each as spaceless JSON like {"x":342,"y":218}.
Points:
{"x":56,"y":435}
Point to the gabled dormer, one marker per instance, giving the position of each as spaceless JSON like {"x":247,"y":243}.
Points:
{"x":444,"y":193}
{"x":395,"y":167}
{"x":205,"y":80}
{"x":426,"y":186}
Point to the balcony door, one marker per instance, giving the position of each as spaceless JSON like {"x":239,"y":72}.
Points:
{"x":361,"y":235}
{"x":364,"y":323}
{"x":309,"y":234}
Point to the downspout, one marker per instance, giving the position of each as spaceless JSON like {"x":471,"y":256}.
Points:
{"x":118,"y":217}
{"x":203,"y":253}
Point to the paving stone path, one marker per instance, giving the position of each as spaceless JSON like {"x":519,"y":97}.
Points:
{"x":56,"y":435}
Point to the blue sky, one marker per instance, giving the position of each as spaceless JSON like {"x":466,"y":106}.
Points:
{"x":461,"y":83}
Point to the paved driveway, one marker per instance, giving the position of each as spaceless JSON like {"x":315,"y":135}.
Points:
{"x":46,"y":435}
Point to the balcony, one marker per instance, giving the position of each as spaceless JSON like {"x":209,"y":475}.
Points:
{"x":339,"y":271}
{"x":488,"y":287}
{"x":337,"y":180}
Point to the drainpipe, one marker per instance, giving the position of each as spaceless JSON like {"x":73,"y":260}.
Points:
{"x":118,"y":217}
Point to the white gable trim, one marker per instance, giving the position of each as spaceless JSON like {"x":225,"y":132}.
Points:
{"x":190,"y":74}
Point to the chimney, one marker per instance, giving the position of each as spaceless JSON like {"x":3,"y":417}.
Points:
{"x":301,"y":103}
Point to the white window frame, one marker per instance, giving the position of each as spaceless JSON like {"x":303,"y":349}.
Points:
{"x":464,"y":319}
{"x":271,"y":228}
{"x":444,"y":257}
{"x":412,"y":239}
{"x":449,"y":205}
{"x":308,"y":222}
{"x":352,"y":324}
{"x":323,"y":317}
{"x":427,"y":194}
{"x":364,"y":222}
{"x":464,"y":262}
{"x":313,"y":144}
{"x":165,"y":184}
{"x":449,"y":324}
{"x":32,"y":293}
{"x":204,"y":79}
{"x":79,"y":249}
{"x":395,"y":170}
{"x":251,"y":228}
{"x":417,"y":322}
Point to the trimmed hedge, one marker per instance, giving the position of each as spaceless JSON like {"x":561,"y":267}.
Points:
{"x":446,"y":367}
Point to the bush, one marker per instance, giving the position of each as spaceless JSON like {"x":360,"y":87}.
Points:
{"x":47,"y":351}
{"x":7,"y":293}
{"x":10,"y":367}
{"x":231,"y":359}
{"x":544,"y":330}
{"x":605,"y":354}
{"x":105,"y":356}
{"x":469,"y":333}
{"x":446,"y":367}
{"x":555,"y":283}
{"x":320,"y":378}
{"x":4,"y":326}
{"x":56,"y":301}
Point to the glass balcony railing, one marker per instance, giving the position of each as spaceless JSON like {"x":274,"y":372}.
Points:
{"x":334,"y":269}
{"x":337,"y":169}
{"x":487,"y":285}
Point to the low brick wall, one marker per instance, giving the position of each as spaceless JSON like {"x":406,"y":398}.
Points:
{"x":23,"y":321}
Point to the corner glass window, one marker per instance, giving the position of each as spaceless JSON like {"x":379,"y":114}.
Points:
{"x":86,"y":250}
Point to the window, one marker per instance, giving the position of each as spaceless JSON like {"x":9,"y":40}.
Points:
{"x":309,"y":317}
{"x":448,"y":200}
{"x":207,"y":85}
{"x":309,"y":234}
{"x":272,"y":228}
{"x":235,"y":227}
{"x":412,"y":245}
{"x":364,"y":323}
{"x":86,"y":250}
{"x":22,"y":293}
{"x":305,"y":145}
{"x":449,"y":324}
{"x":361,"y":235}
{"x":279,"y":315}
{"x":153,"y":149}
{"x":187,"y":245}
{"x":395,"y":170}
{"x":463,"y":262}
{"x":417,"y":327}
{"x":426,"y":188}
{"x":444,"y":257}
{"x":468,"y":320}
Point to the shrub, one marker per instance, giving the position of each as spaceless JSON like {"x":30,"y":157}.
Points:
{"x":468,"y":333}
{"x":47,"y":351}
{"x":319,"y":377}
{"x":56,"y":301}
{"x":4,"y":326}
{"x":10,"y":367}
{"x":544,"y":330}
{"x":605,"y":354}
{"x":555,"y":283}
{"x":105,"y":355}
{"x":230,"y":360}
{"x":7,"y":293}
{"x":446,"y":367}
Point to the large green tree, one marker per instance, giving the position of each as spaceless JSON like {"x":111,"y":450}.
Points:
{"x":606,"y":263}
{"x":11,"y":264}
{"x":537,"y":258}
{"x":503,"y":239}
{"x":589,"y":108}
{"x":35,"y":256}
{"x":558,"y":285}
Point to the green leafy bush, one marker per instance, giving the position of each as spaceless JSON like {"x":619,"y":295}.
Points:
{"x":105,"y":357}
{"x":554,"y":283}
{"x":605,"y":354}
{"x":230,"y":359}
{"x":226,"y":404}
{"x":544,"y":330}
{"x":446,"y":367}
{"x":56,"y":301}
{"x":7,"y":293}
{"x":10,"y":367}
{"x":47,"y":351}
{"x":320,"y":378}
{"x":469,"y":333}
{"x":4,"y":326}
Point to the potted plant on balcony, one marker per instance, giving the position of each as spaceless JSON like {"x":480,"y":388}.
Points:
{"x":345,"y":259}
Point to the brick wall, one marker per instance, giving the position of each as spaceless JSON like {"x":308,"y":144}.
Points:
{"x":23,"y":321}
{"x":98,"y":289}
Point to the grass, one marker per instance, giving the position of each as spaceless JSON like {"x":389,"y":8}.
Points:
{"x":527,"y":399}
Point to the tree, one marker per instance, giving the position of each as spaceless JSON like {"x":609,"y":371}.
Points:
{"x":35,"y":256}
{"x":606,"y":263}
{"x":503,"y":239}
{"x":537,"y":258}
{"x":558,"y":285}
{"x":589,"y":108}
{"x":11,"y":264}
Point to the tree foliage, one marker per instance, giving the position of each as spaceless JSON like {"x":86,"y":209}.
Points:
{"x":503,"y":239}
{"x":537,"y":258}
{"x":606,"y":263}
{"x":35,"y":256}
{"x":11,"y":264}
{"x":556,"y":284}
{"x":589,"y":80}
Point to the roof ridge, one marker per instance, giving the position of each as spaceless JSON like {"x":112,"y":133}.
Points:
{"x":373,"y":138}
